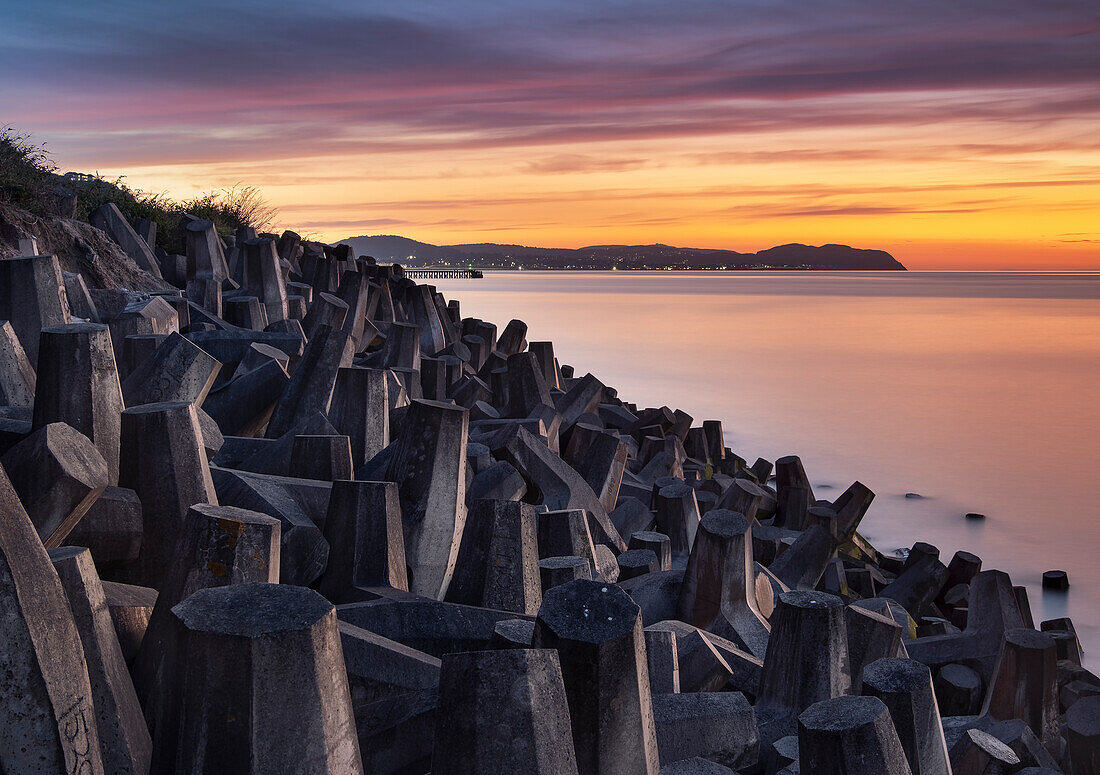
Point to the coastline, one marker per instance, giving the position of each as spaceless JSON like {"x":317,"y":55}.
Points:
{"x":454,"y":488}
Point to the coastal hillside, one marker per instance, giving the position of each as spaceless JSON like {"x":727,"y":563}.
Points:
{"x":494,"y":256}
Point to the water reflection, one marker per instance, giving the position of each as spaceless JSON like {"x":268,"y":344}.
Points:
{"x":976,"y":390}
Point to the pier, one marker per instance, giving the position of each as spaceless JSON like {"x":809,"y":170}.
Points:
{"x":442,"y":273}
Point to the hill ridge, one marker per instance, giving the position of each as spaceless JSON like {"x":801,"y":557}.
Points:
{"x":490,"y":255}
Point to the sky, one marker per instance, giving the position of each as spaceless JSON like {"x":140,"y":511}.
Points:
{"x":955,"y":134}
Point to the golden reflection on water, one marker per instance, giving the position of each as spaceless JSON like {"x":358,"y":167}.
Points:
{"x":978,"y":391}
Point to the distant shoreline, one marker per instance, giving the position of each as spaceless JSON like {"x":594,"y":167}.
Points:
{"x":657,"y":257}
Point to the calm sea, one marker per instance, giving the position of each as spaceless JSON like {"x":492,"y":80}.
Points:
{"x":977,"y":391}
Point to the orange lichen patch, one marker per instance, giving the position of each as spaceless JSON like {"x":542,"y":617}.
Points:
{"x":233,"y":529}
{"x":217,"y":568}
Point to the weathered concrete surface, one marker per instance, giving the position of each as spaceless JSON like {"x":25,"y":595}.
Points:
{"x":111,"y":220}
{"x":124,"y":739}
{"x":719,"y":727}
{"x":503,"y":712}
{"x":32,"y":297}
{"x":46,"y":697}
{"x":597,"y":631}
{"x":498,"y":562}
{"x":78,"y":385}
{"x":58,"y":474}
{"x":719,"y":589}
{"x":17,"y":378}
{"x":806,"y":661}
{"x":429,"y":466}
{"x":366,"y":540}
{"x":905,"y":687}
{"x":217,"y":546}
{"x":850,"y":736}
{"x":163,"y":460}
{"x":178,"y":370}
{"x":298,"y":718}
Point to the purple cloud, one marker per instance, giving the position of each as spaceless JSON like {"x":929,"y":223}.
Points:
{"x":210,"y":81}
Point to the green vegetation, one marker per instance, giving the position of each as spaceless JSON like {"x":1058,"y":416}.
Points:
{"x":29,"y":179}
{"x":26,"y":171}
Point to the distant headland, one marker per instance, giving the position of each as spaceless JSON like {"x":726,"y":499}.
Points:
{"x":392,"y":248}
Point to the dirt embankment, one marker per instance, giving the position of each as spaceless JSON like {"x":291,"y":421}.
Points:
{"x":78,"y":247}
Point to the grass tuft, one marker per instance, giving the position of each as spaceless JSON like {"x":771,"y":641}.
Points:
{"x":29,"y":179}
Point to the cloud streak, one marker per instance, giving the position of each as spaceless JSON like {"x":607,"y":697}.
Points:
{"x":646,"y":114}
{"x":330,"y":79}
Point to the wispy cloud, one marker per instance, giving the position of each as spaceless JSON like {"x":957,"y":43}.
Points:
{"x":388,"y":115}
{"x":240,"y":79}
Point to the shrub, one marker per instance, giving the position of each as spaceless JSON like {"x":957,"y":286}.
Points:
{"x":26,"y":171}
{"x":228,"y":209}
{"x":28,"y":177}
{"x":232,"y":208}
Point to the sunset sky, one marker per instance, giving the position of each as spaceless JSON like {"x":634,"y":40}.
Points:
{"x":954,"y":134}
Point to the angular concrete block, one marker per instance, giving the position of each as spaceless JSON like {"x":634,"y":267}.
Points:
{"x":663,"y":661}
{"x":701,"y":666}
{"x":298,"y":719}
{"x":978,"y":753}
{"x":500,"y":481}
{"x":871,"y":637}
{"x":560,"y":486}
{"x":263,"y":276}
{"x":429,"y":466}
{"x":958,"y":690}
{"x":1025,"y":685}
{"x":78,"y":385}
{"x":635,"y":562}
{"x":431,"y":626}
{"x":366,"y":540}
{"x":554,"y":571}
{"x":849,"y":736}
{"x":125,"y":744}
{"x":178,"y":370}
{"x":130,"y":607}
{"x":32,"y":297}
{"x":905,"y":687}
{"x":606,"y":675}
{"x":503,"y":712}
{"x":217,"y":546}
{"x":322,"y":457}
{"x":163,"y":460}
{"x":1083,"y":735}
{"x":393,"y":695}
{"x":58,"y":474}
{"x":311,"y":385}
{"x":111,"y":220}
{"x":205,"y":256}
{"x":719,"y":589}
{"x":513,"y":339}
{"x":17,"y":378}
{"x":300,"y":506}
{"x":677,"y":516}
{"x":802,"y":565}
{"x":794,"y":495}
{"x":498,"y":561}
{"x":806,"y":662}
{"x":142,"y":316}
{"x":718,"y":727}
{"x":359,"y":410}
{"x":243,"y":406}
{"x":50,"y":724}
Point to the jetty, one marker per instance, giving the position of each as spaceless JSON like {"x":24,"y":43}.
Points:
{"x":442,"y":273}
{"x":287,"y":510}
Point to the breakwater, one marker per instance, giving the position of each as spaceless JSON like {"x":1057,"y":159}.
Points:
{"x":299,"y":514}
